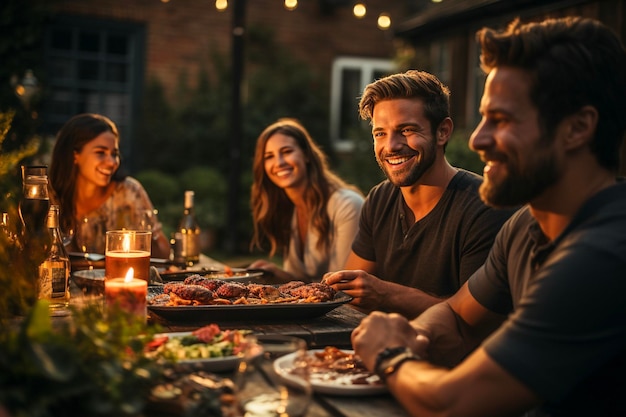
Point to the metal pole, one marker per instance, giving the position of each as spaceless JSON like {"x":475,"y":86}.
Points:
{"x":234,"y":186}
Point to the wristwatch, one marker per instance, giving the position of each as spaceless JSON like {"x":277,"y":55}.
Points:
{"x":389,"y":360}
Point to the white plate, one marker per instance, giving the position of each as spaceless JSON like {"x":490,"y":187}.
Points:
{"x":219,"y":364}
{"x":334,"y":386}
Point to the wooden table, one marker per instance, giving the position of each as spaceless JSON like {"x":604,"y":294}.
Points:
{"x":332,"y":329}
{"x":367,"y":406}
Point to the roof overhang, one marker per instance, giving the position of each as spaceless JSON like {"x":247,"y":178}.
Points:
{"x":462,"y":14}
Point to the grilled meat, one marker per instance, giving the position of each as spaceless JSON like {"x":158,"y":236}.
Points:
{"x":232,"y":290}
{"x":210,"y":283}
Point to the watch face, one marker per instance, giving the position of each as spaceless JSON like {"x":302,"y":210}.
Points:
{"x":390,"y":353}
{"x":389,"y":360}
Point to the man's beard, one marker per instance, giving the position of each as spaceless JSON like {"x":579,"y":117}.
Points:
{"x":521,"y":185}
{"x":408,"y":178}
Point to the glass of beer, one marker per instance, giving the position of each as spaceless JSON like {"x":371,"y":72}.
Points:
{"x":127,"y":249}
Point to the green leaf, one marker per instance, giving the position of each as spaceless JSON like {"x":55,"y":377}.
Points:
{"x":38,"y":323}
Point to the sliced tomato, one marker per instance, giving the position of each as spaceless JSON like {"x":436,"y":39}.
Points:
{"x":156,"y":342}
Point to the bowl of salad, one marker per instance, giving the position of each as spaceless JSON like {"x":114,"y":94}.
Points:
{"x":212,"y":348}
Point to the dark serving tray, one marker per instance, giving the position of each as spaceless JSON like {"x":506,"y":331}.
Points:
{"x":270,"y":311}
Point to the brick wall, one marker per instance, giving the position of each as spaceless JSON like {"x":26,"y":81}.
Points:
{"x":180,"y":34}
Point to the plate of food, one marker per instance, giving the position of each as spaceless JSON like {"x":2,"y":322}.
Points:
{"x":216,"y":350}
{"x":91,"y":281}
{"x":334,"y":371}
{"x":229,"y":274}
{"x":199,"y":298}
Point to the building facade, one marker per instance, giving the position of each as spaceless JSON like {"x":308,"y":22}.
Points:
{"x":443,"y":40}
{"x":100,"y":54}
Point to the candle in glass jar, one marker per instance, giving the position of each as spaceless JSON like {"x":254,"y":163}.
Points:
{"x":116,"y":262}
{"x":127,"y":249}
{"x":128,"y":294}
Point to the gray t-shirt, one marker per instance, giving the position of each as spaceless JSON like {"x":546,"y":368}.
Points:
{"x":438,"y":253}
{"x":565,"y":337}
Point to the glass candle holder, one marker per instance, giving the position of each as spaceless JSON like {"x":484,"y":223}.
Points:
{"x":127,"y":249}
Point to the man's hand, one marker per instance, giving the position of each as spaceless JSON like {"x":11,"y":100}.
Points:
{"x":367,"y":291}
{"x":379,"y":331}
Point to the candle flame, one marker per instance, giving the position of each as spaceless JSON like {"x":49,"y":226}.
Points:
{"x":129,"y":275}
{"x":126,"y":243}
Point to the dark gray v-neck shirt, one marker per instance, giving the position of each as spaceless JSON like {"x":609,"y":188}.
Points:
{"x":438,"y":253}
{"x":566,"y":336}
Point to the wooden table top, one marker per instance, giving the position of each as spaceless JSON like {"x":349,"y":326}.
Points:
{"x":332,"y":329}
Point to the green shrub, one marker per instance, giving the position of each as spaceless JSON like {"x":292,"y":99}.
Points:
{"x":460,"y":155}
{"x":211,"y":195}
{"x":162,"y":188}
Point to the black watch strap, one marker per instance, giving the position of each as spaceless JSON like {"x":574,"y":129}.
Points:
{"x":389,"y":360}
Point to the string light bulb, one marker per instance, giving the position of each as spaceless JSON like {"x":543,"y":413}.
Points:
{"x":384,"y":21}
{"x":291,"y":4}
{"x":221,"y":5}
{"x":359,"y":10}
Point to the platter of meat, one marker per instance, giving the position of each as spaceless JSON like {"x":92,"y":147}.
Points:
{"x":335,"y":372}
{"x":199,"y":298}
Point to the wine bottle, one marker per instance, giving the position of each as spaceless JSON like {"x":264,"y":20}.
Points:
{"x":9,"y":232}
{"x":54,"y":271}
{"x":188,"y":234}
{"x":34,"y":206}
{"x":5,"y":227}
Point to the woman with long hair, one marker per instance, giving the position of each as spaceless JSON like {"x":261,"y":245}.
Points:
{"x":303,"y":210}
{"x":92,"y":195}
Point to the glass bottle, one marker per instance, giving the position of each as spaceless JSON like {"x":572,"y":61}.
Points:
{"x":4,"y":227}
{"x":188,"y":234}
{"x":34,"y":206}
{"x":8,"y":230}
{"x":54,"y":271}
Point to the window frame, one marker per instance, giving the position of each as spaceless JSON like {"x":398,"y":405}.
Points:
{"x":101,"y":91}
{"x":367,"y":67}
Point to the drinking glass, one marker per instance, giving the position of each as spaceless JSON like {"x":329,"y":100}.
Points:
{"x":145,"y":219}
{"x":90,"y":235}
{"x":126,"y":249}
{"x":266,"y":390}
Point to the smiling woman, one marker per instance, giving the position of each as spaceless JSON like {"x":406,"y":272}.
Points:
{"x":93,"y":196}
{"x":299,"y":206}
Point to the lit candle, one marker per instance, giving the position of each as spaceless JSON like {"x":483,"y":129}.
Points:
{"x":132,"y":253}
{"x":129,"y":294}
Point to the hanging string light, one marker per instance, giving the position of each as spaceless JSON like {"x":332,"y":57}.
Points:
{"x":359,"y":10}
{"x":221,"y":5}
{"x":384,"y":21}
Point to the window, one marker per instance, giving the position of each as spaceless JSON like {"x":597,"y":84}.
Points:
{"x":349,"y":78}
{"x":440,"y":60}
{"x":475,"y":84}
{"x":93,"y":66}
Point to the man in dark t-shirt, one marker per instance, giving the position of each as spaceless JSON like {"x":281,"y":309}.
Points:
{"x":424,"y":230}
{"x":540,"y":328}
